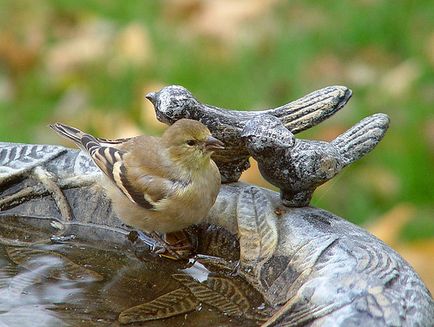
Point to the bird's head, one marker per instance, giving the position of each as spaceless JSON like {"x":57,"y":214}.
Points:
{"x":190,"y":142}
{"x":265,"y":132}
{"x":172,"y":103}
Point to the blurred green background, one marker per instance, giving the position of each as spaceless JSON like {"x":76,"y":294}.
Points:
{"x":90,"y":62}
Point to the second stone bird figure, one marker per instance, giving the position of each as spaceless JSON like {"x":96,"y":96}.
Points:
{"x":298,"y":166}
{"x":156,"y":184}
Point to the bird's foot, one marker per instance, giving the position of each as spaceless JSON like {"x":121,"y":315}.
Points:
{"x":175,"y":245}
{"x":144,"y":245}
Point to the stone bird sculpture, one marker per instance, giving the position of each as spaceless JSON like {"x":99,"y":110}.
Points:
{"x":175,"y":102}
{"x":298,"y":166}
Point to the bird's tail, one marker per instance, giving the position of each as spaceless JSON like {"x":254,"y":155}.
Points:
{"x":362,"y":137}
{"x":68,"y":132}
{"x":102,"y":151}
{"x":85,"y":141}
{"x":312,"y":109}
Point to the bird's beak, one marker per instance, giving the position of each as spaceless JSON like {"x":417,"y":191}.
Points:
{"x":151,"y":97}
{"x":212,"y":144}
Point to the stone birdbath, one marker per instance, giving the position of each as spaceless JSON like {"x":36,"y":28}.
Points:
{"x":263,"y":258}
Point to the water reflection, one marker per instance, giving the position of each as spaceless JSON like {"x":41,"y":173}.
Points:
{"x":88,"y":282}
{"x":197,"y":271}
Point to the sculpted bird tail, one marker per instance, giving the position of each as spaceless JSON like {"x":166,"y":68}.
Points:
{"x":361,"y":138}
{"x":312,"y":109}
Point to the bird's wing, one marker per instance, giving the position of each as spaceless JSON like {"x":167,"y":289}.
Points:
{"x":141,"y":182}
{"x":110,"y":160}
{"x":116,"y":142}
{"x":152,"y":188}
{"x":137,"y":183}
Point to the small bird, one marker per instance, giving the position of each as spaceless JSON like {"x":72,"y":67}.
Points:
{"x":175,"y":102}
{"x":156,"y":184}
{"x":298,"y":166}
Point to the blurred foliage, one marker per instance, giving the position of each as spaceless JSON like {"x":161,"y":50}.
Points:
{"x":89,"y":63}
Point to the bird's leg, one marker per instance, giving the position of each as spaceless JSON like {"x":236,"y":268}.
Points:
{"x":174,"y":245}
{"x":180,"y":240}
{"x":166,"y":250}
{"x":296,"y":198}
{"x":143,"y":244}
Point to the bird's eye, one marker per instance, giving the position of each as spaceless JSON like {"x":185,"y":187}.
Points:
{"x":191,"y":142}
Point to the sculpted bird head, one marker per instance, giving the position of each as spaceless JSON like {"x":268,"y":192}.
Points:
{"x":172,"y":103}
{"x":264,"y":132}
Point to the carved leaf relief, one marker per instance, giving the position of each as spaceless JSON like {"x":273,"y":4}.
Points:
{"x":219,"y":293}
{"x":168,"y":305}
{"x":256,"y":227}
{"x":296,"y":313}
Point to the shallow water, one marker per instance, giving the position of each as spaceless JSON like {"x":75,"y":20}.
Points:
{"x":97,"y":279}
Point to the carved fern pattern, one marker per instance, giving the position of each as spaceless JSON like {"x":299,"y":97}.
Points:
{"x":256,"y":227}
{"x":168,"y":305}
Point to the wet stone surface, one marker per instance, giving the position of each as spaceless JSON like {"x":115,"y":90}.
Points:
{"x":86,"y":283}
